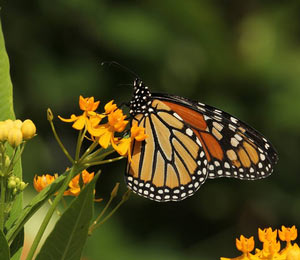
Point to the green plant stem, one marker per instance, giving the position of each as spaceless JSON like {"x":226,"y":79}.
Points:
{"x":60,"y":143}
{"x":97,"y":162}
{"x":2,"y":203}
{"x":74,"y":170}
{"x":100,"y":215}
{"x":79,"y":143}
{"x":100,"y":157}
{"x":14,"y":161}
{"x":89,"y":150}
{"x":108,"y":216}
{"x":57,"y":211}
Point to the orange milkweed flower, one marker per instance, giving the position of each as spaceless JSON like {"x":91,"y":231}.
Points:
{"x":123,"y":146}
{"x":267,"y":234}
{"x":293,"y":253}
{"x":88,"y":105}
{"x":40,"y":182}
{"x":287,"y":234}
{"x":245,"y":245}
{"x":110,"y":107}
{"x":74,"y":185}
{"x":105,"y":132}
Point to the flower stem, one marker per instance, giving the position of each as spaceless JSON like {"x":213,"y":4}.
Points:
{"x":14,"y":161}
{"x":89,"y":150}
{"x":60,"y":143}
{"x":74,"y":170}
{"x":92,"y":227}
{"x":79,"y":143}
{"x":3,"y":187}
{"x":124,"y":198}
{"x":2,"y":203}
{"x":96,"y":161}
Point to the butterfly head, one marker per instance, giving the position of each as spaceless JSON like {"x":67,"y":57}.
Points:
{"x":141,"y":99}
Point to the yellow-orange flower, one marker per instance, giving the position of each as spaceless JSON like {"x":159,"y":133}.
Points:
{"x":88,"y":105}
{"x":271,"y":247}
{"x":105,"y":132}
{"x":123,"y":146}
{"x":110,"y":107}
{"x":293,"y":253}
{"x":40,"y":182}
{"x":74,"y":185}
{"x":138,"y":133}
{"x":287,"y":234}
{"x":245,"y":245}
{"x":267,"y":234}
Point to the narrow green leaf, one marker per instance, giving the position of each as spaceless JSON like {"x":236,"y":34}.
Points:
{"x":16,"y":245}
{"x":68,"y":237}
{"x":34,"y":205}
{"x":4,"y":248}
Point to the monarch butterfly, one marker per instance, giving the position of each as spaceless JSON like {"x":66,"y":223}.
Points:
{"x":187,"y":143}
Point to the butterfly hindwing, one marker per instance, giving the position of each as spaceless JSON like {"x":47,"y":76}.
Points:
{"x":233,"y":149}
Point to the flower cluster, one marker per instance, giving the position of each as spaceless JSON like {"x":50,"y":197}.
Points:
{"x":105,"y":133}
{"x":15,"y":132}
{"x":271,"y":246}
{"x":41,"y":182}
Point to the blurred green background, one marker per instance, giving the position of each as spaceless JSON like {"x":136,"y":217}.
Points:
{"x":240,"y":56}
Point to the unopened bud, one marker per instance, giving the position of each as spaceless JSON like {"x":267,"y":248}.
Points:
{"x":3,"y":131}
{"x":7,"y":161}
{"x":17,"y":180}
{"x":115,"y":190}
{"x":49,"y":115}
{"x":15,"y":191}
{"x":11,"y":184}
{"x":126,"y":195}
{"x":22,"y":185}
{"x":28,"y":129}
{"x":15,"y":137}
{"x":9,"y":123}
{"x":17,"y":123}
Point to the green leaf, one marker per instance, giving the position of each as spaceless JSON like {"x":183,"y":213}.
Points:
{"x":16,"y":245}
{"x":4,"y":248}
{"x":6,"y":111}
{"x":6,"y":104}
{"x":68,"y":237}
{"x":34,"y":205}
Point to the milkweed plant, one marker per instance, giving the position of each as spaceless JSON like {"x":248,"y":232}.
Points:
{"x":103,"y":133}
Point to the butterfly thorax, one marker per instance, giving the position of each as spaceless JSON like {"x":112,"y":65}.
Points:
{"x":141,"y":100}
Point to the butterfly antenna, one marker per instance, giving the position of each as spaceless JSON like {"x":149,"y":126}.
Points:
{"x":117,"y":64}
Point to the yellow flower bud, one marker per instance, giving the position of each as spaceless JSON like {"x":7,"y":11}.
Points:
{"x":22,"y":185}
{"x":11,"y":184}
{"x":3,"y":131}
{"x":28,"y":129}
{"x":17,"y":123}
{"x":9,"y":123}
{"x":17,"y":180}
{"x":15,"y":191}
{"x":15,"y":137}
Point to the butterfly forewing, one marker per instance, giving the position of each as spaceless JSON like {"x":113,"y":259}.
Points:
{"x":170,"y":164}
